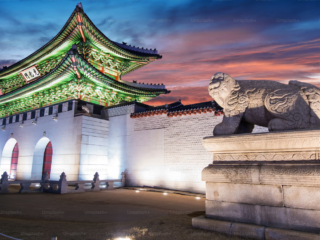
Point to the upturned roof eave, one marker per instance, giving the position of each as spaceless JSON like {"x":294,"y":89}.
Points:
{"x":161,"y":91}
{"x":115,"y":45}
{"x":20,"y":64}
{"x":37,"y":83}
{"x":15,"y":65}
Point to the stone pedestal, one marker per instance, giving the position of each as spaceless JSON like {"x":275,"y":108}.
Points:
{"x":263,"y":186}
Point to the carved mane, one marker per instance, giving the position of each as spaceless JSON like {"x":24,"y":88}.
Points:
{"x":237,"y":101}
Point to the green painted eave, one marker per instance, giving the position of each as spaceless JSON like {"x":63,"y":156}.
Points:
{"x":64,"y":72}
{"x":70,"y":35}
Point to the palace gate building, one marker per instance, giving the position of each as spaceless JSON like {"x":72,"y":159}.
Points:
{"x":65,"y":108}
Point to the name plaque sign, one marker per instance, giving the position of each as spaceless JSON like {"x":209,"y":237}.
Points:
{"x":30,"y":73}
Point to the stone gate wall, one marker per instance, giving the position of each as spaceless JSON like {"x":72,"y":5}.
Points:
{"x":161,"y":151}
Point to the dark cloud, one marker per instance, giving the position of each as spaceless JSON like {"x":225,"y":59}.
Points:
{"x":5,"y":16}
{"x":186,"y":95}
{"x":249,"y":39}
{"x":6,"y":62}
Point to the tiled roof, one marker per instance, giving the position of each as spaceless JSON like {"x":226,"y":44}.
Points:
{"x":178,"y":109}
{"x":144,"y":85}
{"x":63,"y":69}
{"x":66,"y":35}
{"x":141,"y":51}
{"x":129,"y":103}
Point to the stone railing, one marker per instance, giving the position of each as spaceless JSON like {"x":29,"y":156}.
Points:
{"x":24,"y":184}
{"x":60,"y":186}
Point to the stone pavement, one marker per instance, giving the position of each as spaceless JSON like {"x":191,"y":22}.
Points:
{"x":106,"y":206}
{"x":104,"y":215}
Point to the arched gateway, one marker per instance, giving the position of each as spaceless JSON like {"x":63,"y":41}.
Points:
{"x":14,"y":161}
{"x":42,"y":158}
{"x":47,"y":159}
{"x":9,"y":158}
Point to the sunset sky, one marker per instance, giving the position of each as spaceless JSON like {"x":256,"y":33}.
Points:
{"x":250,"y":39}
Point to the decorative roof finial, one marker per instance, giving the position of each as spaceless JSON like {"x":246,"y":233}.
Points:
{"x":80,"y":5}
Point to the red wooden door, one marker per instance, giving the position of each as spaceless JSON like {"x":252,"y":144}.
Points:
{"x":14,"y":161}
{"x":47,"y":159}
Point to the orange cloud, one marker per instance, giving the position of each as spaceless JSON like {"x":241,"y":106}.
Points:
{"x":190,"y":59}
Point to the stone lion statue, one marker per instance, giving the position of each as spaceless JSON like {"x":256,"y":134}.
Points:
{"x":266,"y":103}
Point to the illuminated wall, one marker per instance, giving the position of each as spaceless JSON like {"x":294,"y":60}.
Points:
{"x":159,"y":151}
{"x":121,"y":126}
{"x":155,"y":151}
{"x":94,"y":148}
{"x":65,"y":136}
{"x":79,"y":143}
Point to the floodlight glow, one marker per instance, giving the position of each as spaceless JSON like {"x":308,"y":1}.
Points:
{"x":137,"y":191}
{"x":5,"y":160}
{"x":198,"y":198}
{"x":165,"y":193}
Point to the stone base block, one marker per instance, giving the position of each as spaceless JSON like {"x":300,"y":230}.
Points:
{"x":302,"y":197}
{"x":280,"y":173}
{"x":271,"y":195}
{"x":281,"y":146}
{"x":211,"y":224}
{"x":268,"y":179}
{"x":250,"y":230}
{"x":289,"y":218}
{"x":247,"y":230}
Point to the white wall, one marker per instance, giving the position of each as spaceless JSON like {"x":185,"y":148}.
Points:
{"x":79,"y":143}
{"x":155,"y":151}
{"x":120,"y":130}
{"x":94,"y":148}
{"x":159,"y":151}
{"x":65,"y":136}
{"x":171,"y":152}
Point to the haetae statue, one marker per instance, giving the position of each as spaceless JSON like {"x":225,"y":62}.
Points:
{"x":265,"y":103}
